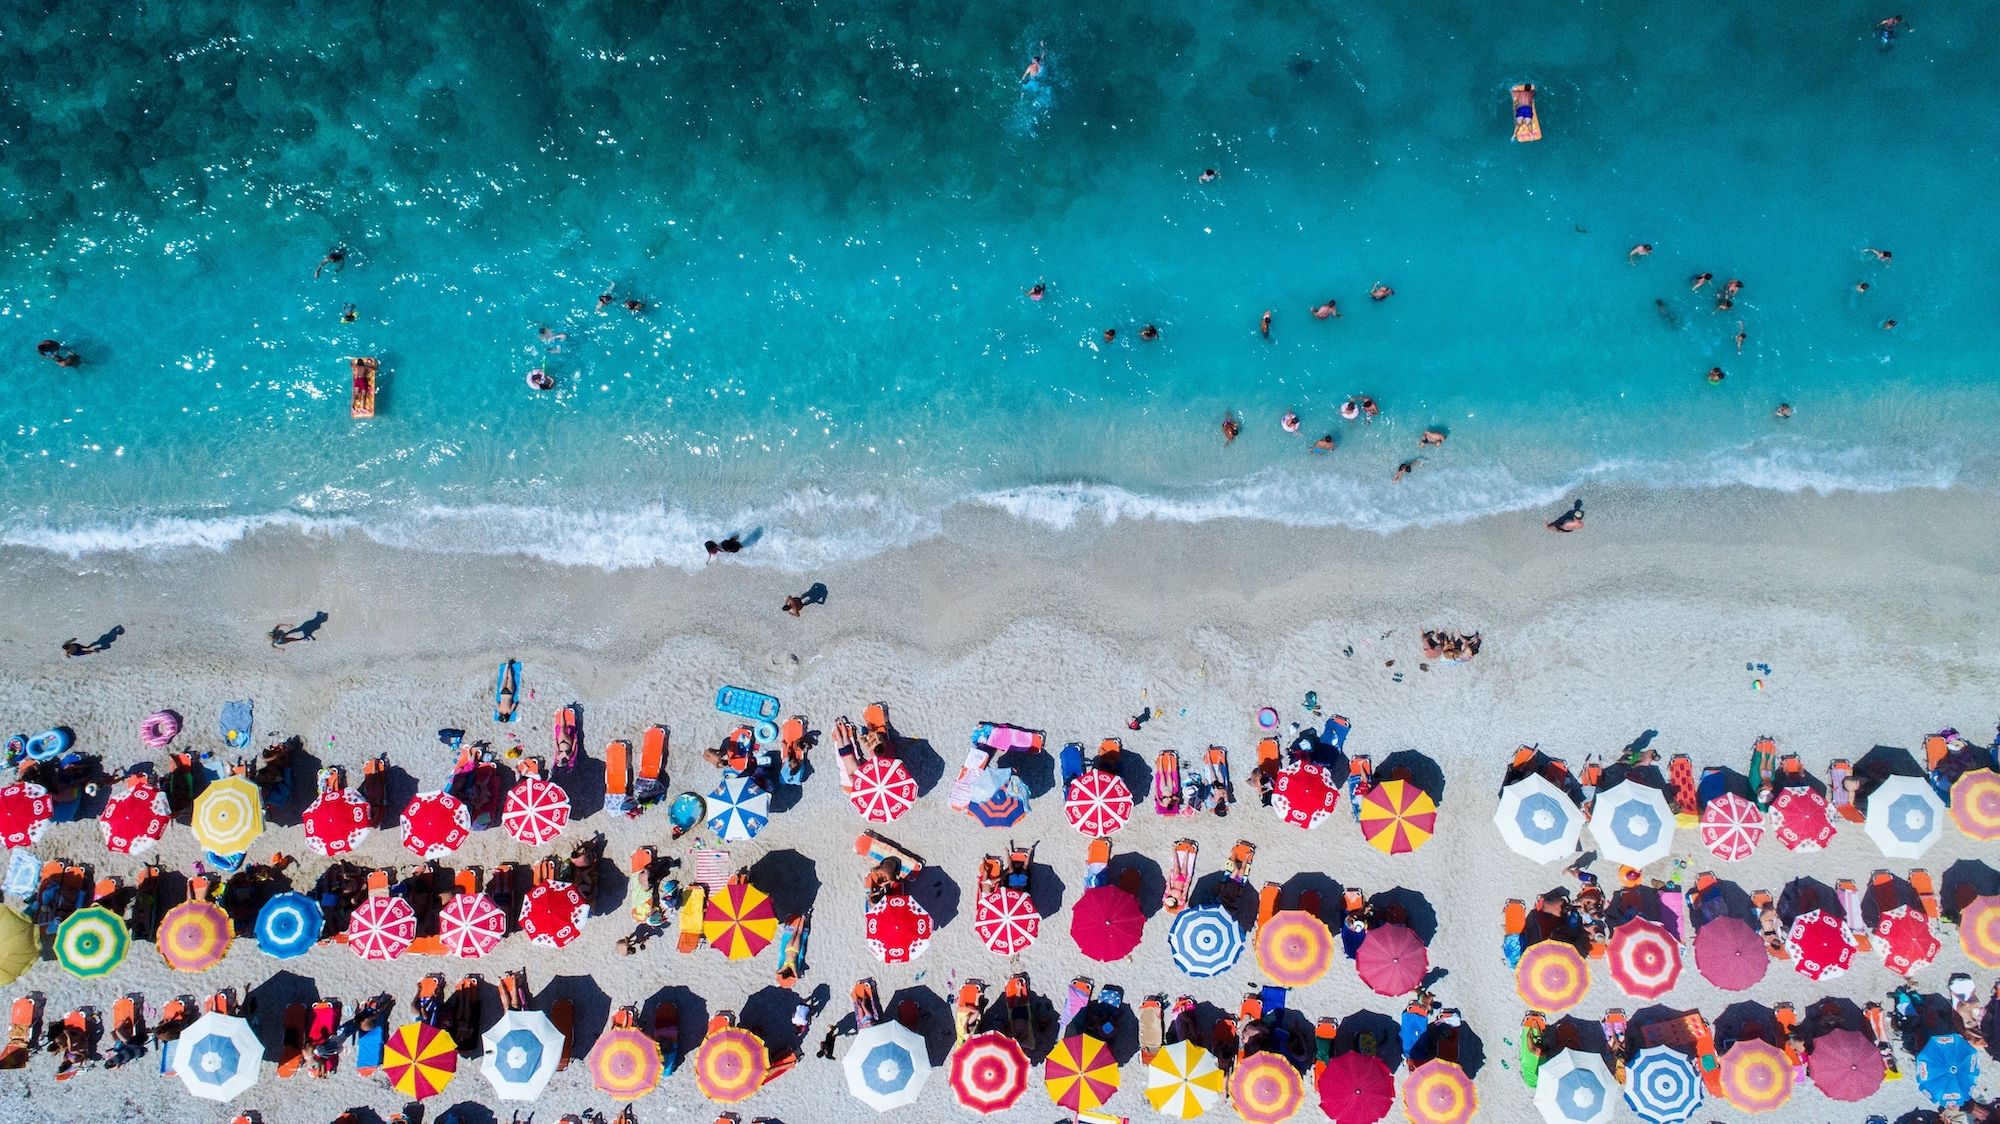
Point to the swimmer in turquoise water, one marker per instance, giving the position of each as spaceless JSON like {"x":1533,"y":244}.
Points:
{"x":1635,"y":253}
{"x":1882,"y":256}
{"x":1380,"y":292}
{"x":1264,"y":325}
{"x":1326,"y":311}
{"x":1040,"y":290}
{"x":1034,"y":70}
{"x":1701,"y":279}
{"x":336,"y":257}
{"x":347,"y":315}
{"x":1149,"y":333}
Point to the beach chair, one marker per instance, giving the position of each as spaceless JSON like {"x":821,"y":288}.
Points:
{"x":1075,"y":999}
{"x":1152,"y":1026}
{"x":968,"y":1010}
{"x":1269,"y":758}
{"x":1267,"y":903}
{"x":1180,"y":878}
{"x":1936,"y":749}
{"x":1513,"y":921}
{"x":1217,"y":764}
{"x":618,"y":778}
{"x":1920,"y":881}
{"x":567,"y":731}
{"x":1019,"y":861}
{"x":1070,"y":761}
{"x":292,"y":1040}
{"x":867,"y":1007}
{"x":1020,"y":1010}
{"x":1360,"y":778}
{"x":1110,"y":755}
{"x":23,"y":1031}
{"x":468,"y":1011}
{"x":1837,"y":793}
{"x":1763,"y":772}
{"x":792,"y":950}
{"x":875,"y":716}
{"x":1167,"y":799}
{"x":1614,"y":1026}
{"x":647,"y":787}
{"x":325,"y":1023}
{"x":562,"y":1015}
{"x":80,"y":1023}
{"x":1095,"y":858}
{"x":1767,"y":921}
{"x":1680,"y":788}
{"x":694,"y":905}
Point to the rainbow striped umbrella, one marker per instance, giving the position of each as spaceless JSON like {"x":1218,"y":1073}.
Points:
{"x":419,"y":1060}
{"x":1397,"y":817}
{"x":730,"y":1065}
{"x":194,"y":936}
{"x":739,"y":921}
{"x":1552,"y":976}
{"x":1294,"y":948}
{"x":91,"y":942}
{"x":1266,"y":1089}
{"x":989,"y":1073}
{"x":229,"y":816}
{"x":1979,"y":931}
{"x":625,"y":1063}
{"x":1756,"y":1076}
{"x":1081,"y":1074}
{"x":1975,"y":804}
{"x":1183,"y":1081}
{"x":1438,"y":1092}
{"x":1645,"y":958}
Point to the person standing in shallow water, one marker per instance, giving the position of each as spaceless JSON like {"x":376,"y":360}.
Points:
{"x":730,"y":545}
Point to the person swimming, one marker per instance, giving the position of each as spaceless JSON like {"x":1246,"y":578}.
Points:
{"x":1149,"y":333}
{"x":1038,"y":291}
{"x":1888,"y":325}
{"x":634,"y":304}
{"x":1732,"y":288}
{"x":1380,"y":292}
{"x":1034,"y":69}
{"x":1404,"y":469}
{"x":1633,"y":255}
{"x":1882,"y":256}
{"x":336,"y":257}
{"x":1667,"y":314}
{"x":1784,"y":410}
{"x":1329,"y":309}
{"x":1701,"y":279}
{"x":1110,"y":334}
{"x":1432,"y":437}
{"x":541,"y":380}
{"x":61,"y":354}
{"x":1368,"y":407}
{"x":347,"y":315}
{"x":1289,"y":423}
{"x":1741,"y":335}
{"x":1324,"y":444}
{"x":1350,"y":409}
{"x":1715,"y":374}
{"x":1230,"y":428}
{"x":1208,"y":175}
{"x":1264,"y":325}
{"x":1723,"y":303}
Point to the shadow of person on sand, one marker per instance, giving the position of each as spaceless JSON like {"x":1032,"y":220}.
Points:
{"x":72,"y":648}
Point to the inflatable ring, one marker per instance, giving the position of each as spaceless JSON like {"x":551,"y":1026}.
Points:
{"x":49,"y":744}
{"x":1267,"y":718}
{"x":160,"y":728}
{"x":767,"y":732}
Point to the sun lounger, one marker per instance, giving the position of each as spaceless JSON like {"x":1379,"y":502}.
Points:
{"x":1267,"y":903}
{"x":1513,"y":920}
{"x":1070,"y":763}
{"x":1920,"y":881}
{"x":1217,"y":763}
{"x":1680,"y":788}
{"x":1020,"y":1010}
{"x":1003,"y":738}
{"x":875,"y":848}
{"x":1837,"y":793}
{"x":1167,"y":797}
{"x":1096,"y":857}
{"x":1269,"y":759}
{"x":968,"y":1009}
{"x":1180,"y":879}
{"x":1075,"y":1000}
{"x":1763,"y":771}
{"x":618,"y":778}
{"x":1768,"y":922}
{"x":646,"y":783}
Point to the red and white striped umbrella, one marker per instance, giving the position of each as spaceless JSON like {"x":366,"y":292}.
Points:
{"x":382,"y":928}
{"x":434,"y":824}
{"x":1804,"y":823}
{"x":883,"y":790}
{"x":134,"y":819}
{"x":1098,"y":803}
{"x":1731,"y":827}
{"x":537,"y":811}
{"x":553,"y":914}
{"x":1645,"y":959}
{"x":336,"y":822}
{"x":1006,"y":921}
{"x":470,"y":925}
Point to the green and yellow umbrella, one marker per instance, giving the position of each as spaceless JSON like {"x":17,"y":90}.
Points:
{"x":740,"y":921}
{"x":419,"y":1060}
{"x":20,"y":946}
{"x":1081,"y":1074}
{"x":91,"y":942}
{"x":229,"y":816}
{"x":194,"y":936}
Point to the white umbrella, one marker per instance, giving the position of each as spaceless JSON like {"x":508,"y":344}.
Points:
{"x":1576,"y":1088}
{"x":1632,"y":824}
{"x":1905,"y":816}
{"x":522,"y":1051}
{"x":1538,"y":820}
{"x":218,"y":1057}
{"x":887,"y":1065}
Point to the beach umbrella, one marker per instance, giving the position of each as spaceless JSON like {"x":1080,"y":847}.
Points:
{"x":886,"y":1065}
{"x":228,"y":816}
{"x":1005,"y":921}
{"x":1905,"y":816}
{"x":1439,"y":1092}
{"x":1731,"y":827}
{"x":91,"y":942}
{"x":1820,"y":945}
{"x":739,"y":921}
{"x":1304,"y":793}
{"x":1909,"y":941}
{"x":20,"y":944}
{"x":1975,"y":804}
{"x":337,"y":821}
{"x":1538,"y":820}
{"x":989,"y":1073}
{"x":1662,"y":1086}
{"x":1294,"y":948}
{"x":738,"y":809}
{"x":553,"y":914}
{"x":1080,"y":1073}
{"x":217,"y":1056}
{"x":522,"y":1052}
{"x":730,"y":1065}
{"x":883,"y":790}
{"x":25,"y":812}
{"x":1107,"y":923}
{"x":1756,"y":1076}
{"x":1004,"y":799}
{"x":1645,"y":958}
{"x":1730,"y":954}
{"x":1355,"y":1088}
{"x":288,"y":925}
{"x":1552,"y":976}
{"x":1266,"y":1089}
{"x":1804,"y":821}
{"x":194,"y":936}
{"x":134,"y":818}
{"x":1097,"y":803}
{"x":1205,"y":941}
{"x":1391,"y":959}
{"x":1845,"y":1065}
{"x":419,"y":1060}
{"x":1979,"y":931}
{"x":625,"y":1063}
{"x":1632,"y":824}
{"x":1397,"y":817}
{"x":897,"y":929}
{"x":1183,"y":1081}
{"x":434,"y":824}
{"x":1947,"y":1068}
{"x":471,"y":925}
{"x":381,"y":928}
{"x":537,"y":811}
{"x":1575,"y":1087}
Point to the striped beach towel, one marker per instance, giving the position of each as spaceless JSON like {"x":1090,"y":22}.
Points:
{"x":711,"y":869}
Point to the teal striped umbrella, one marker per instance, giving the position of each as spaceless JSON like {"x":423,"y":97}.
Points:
{"x":91,"y":942}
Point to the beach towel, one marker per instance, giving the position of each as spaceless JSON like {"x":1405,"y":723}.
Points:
{"x":24,"y":875}
{"x":235,"y":723}
{"x":711,"y":869}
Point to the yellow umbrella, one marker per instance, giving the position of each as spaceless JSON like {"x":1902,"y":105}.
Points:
{"x":20,"y":947}
{"x":229,"y":816}
{"x":419,"y":1060}
{"x":1552,"y":977}
{"x":1397,"y":817}
{"x":1080,"y":1074}
{"x":1978,"y":931}
{"x":740,"y":921}
{"x":1183,"y":1081}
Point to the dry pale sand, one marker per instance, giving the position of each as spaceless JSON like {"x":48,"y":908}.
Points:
{"x":1876,"y":614}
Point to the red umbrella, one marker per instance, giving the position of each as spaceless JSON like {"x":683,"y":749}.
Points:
{"x":470,"y":925}
{"x":1391,"y":959}
{"x":883,"y":790}
{"x":1820,"y":945}
{"x":1097,"y":803}
{"x":1304,"y":794}
{"x":434,"y":824}
{"x":1730,"y":954}
{"x":337,"y":821}
{"x":537,"y":811}
{"x":1006,"y":921}
{"x":1645,"y":959}
{"x":553,"y":914}
{"x":1107,"y":923}
{"x":1908,"y":940}
{"x":1845,"y":1065}
{"x":1731,"y":827}
{"x":1356,"y":1088}
{"x":134,"y":819}
{"x":382,"y":928}
{"x":25,"y":811}
{"x":1803,"y":820}
{"x":897,"y":929}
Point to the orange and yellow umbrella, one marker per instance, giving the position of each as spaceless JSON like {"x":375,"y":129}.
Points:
{"x":1266,"y":1089}
{"x":1756,"y":1076}
{"x":625,"y":1063}
{"x":1438,"y":1092}
{"x":419,"y":1060}
{"x":1975,"y":804}
{"x":1552,"y":976}
{"x":740,"y":921}
{"x":1081,"y":1073}
{"x":1397,"y":817}
{"x":730,"y":1065}
{"x":194,"y":936}
{"x":1294,"y":948}
{"x":1979,"y":930}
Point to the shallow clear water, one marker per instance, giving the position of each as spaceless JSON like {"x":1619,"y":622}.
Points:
{"x":832,"y":211}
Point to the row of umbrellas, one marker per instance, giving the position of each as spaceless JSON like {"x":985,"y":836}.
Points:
{"x":1396,"y":816}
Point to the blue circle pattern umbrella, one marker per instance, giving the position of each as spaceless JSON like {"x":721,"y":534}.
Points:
{"x":1205,"y":941}
{"x":1662,"y":1087}
{"x":522,"y":1051}
{"x":1537,"y":819}
{"x":288,"y":925}
{"x":1947,"y":1068}
{"x":738,"y":808}
{"x":886,"y":1066}
{"x":1632,"y":824}
{"x":217,"y":1057}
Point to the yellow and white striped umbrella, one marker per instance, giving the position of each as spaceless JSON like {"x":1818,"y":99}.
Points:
{"x":1183,"y":1081}
{"x":229,"y":816}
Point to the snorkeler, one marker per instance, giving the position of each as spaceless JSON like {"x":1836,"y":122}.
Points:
{"x":1329,"y":309}
{"x":1882,"y":256}
{"x":1633,"y":255}
{"x":1264,"y":325}
{"x":336,"y":257}
{"x":1701,"y":279}
{"x":347,"y":315}
{"x":1741,"y":335}
{"x":1289,"y":423}
{"x":1380,"y":292}
{"x":1149,"y":333}
{"x":1230,"y":428}
{"x":1036,"y":293}
{"x":1715,"y":374}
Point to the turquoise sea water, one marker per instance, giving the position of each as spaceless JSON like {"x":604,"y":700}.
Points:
{"x":832,"y":211}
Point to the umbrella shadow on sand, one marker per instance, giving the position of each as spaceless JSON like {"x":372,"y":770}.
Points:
{"x":1803,"y":895}
{"x":933,"y":1019}
{"x":691,"y":1009}
{"x":1372,"y":1033}
{"x":590,"y":1004}
{"x":264,"y":1005}
{"x":1742,"y":1021}
{"x":768,"y":1014}
{"x":1411,"y":908}
{"x":1414,"y":767}
{"x":1208,"y":890}
{"x":1329,"y":889}
{"x":1036,"y":770}
{"x":926,"y":766}
{"x":1965,"y":880}
{"x":1046,"y":889}
{"x":1573,"y":1033}
{"x":791,"y":879}
{"x":1152,"y":880}
{"x":584,"y":781}
{"x":937,"y":893}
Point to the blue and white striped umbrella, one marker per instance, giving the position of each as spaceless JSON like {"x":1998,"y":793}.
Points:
{"x":217,"y":1057}
{"x":1905,"y":816}
{"x":1576,"y":1088}
{"x":887,"y":1065}
{"x":288,"y":926}
{"x":1205,"y":941}
{"x":738,"y":808}
{"x":1537,"y":819}
{"x":1632,"y":824}
{"x":1662,"y":1087}
{"x":522,"y":1051}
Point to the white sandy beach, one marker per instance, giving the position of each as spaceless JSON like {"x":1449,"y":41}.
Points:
{"x":1876,"y":614}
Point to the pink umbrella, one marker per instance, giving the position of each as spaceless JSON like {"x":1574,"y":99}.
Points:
{"x":1107,"y":923}
{"x":883,"y":790}
{"x":337,"y":821}
{"x":1908,"y":940}
{"x":1304,"y":794}
{"x":470,"y":925}
{"x":1820,"y":945}
{"x":1006,"y":921}
{"x":1391,"y":959}
{"x":1098,"y":803}
{"x":1803,"y":820}
{"x":1845,"y":1065}
{"x":553,"y":914}
{"x":134,"y":819}
{"x":1731,"y":827}
{"x":382,"y":928}
{"x":1645,"y":959}
{"x":537,"y":811}
{"x":434,"y":824}
{"x":1730,"y":954}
